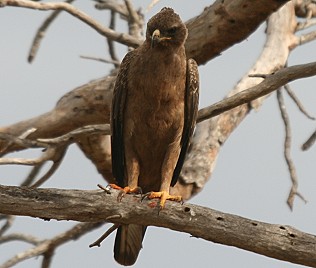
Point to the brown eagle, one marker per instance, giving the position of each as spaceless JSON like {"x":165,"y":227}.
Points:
{"x":153,"y":116}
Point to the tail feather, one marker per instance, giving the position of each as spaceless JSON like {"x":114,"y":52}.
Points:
{"x":128,"y":243}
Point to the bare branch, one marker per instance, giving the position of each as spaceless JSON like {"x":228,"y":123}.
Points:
{"x":135,"y":20}
{"x":271,"y":240}
{"x":311,"y":140}
{"x":9,"y":219}
{"x":55,"y":151}
{"x":118,"y":37}
{"x":18,"y":140}
{"x":297,"y":102}
{"x":305,"y":38}
{"x":113,"y":6}
{"x":20,"y":237}
{"x":70,"y":137}
{"x":47,"y":258}
{"x":206,"y":40}
{"x":31,"y":176}
{"x":272,"y":82}
{"x":57,"y":158}
{"x":111,"y":44}
{"x":100,"y":59}
{"x":98,"y":242}
{"x":287,"y":152}
{"x":151,"y":5}
{"x":41,"y":33}
{"x":46,"y":247}
{"x":25,"y":143}
{"x":49,"y":154}
{"x":306,"y":24}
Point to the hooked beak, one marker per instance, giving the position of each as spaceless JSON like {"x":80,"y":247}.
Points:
{"x":156,"y":38}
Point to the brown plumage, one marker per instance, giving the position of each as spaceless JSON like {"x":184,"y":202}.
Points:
{"x":153,"y":117}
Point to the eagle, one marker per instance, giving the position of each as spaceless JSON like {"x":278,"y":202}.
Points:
{"x":154,"y":110}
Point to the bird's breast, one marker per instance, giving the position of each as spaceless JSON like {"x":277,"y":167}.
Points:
{"x":156,"y":98}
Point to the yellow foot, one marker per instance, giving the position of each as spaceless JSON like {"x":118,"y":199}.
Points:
{"x":163,"y":197}
{"x":125,"y":190}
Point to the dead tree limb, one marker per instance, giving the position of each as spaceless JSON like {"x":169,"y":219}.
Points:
{"x":277,"y":241}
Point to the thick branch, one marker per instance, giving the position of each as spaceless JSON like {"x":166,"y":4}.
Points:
{"x":225,"y":23}
{"x":277,"y":241}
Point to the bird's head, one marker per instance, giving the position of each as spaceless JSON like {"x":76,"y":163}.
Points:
{"x":166,"y":29}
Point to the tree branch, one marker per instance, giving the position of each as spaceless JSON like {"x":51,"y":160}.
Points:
{"x":47,"y":247}
{"x":310,"y":141}
{"x":225,"y":23}
{"x":287,"y":152}
{"x":273,"y":240}
{"x":269,"y":84}
{"x":122,"y":38}
{"x":41,"y":33}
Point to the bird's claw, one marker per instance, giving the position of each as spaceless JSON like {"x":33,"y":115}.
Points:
{"x":125,"y":190}
{"x":163,"y":195}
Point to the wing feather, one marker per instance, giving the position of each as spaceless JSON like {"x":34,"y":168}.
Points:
{"x":190,"y":114}
{"x":117,"y":120}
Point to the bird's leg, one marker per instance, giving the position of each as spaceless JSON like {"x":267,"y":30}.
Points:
{"x":167,"y":170}
{"x":163,"y":194}
{"x":127,"y":189}
{"x":132,"y":170}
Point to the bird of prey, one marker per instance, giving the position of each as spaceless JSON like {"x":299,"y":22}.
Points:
{"x":153,"y":116}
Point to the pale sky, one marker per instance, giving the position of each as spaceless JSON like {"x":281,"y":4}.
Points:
{"x":250,"y":179}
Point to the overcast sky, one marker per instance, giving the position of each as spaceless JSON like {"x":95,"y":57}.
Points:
{"x":250,"y":179}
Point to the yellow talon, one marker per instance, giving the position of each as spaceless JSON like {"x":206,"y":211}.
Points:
{"x":125,"y":190}
{"x":163,"y":195}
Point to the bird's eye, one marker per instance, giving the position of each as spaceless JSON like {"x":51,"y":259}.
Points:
{"x":171,"y":31}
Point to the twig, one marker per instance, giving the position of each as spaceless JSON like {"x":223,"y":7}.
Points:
{"x":33,"y":173}
{"x":9,"y":221}
{"x":100,"y":59}
{"x":20,"y":237}
{"x":72,"y":135}
{"x":98,"y":242}
{"x":305,"y":38}
{"x":113,"y":6}
{"x":122,"y":38}
{"x":57,"y":159}
{"x":105,"y":189}
{"x":297,"y":102}
{"x":311,"y":140}
{"x":264,"y":76}
{"x":47,"y":258}
{"x":110,"y":42}
{"x":151,"y":5}
{"x":287,"y":152}
{"x":47,"y":155}
{"x":41,"y":33}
